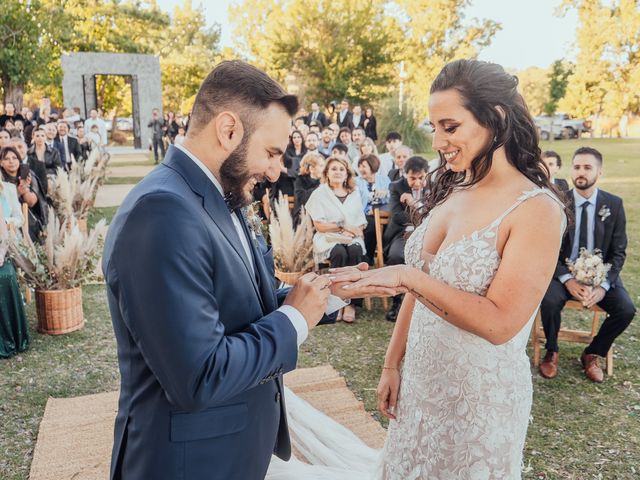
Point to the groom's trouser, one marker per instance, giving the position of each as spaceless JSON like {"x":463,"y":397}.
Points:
{"x":616,"y":303}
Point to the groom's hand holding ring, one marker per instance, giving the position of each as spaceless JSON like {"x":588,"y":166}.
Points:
{"x":309,"y":296}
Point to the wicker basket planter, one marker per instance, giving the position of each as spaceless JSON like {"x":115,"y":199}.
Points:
{"x":289,"y":278}
{"x":59,"y":311}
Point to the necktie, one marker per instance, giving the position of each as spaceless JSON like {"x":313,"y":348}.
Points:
{"x":584,"y":226}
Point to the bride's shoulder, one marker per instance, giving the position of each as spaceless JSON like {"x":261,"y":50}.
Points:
{"x":541,"y":207}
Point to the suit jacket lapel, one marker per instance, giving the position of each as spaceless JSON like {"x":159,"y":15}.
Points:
{"x":213,"y":202}
{"x":571,"y":233}
{"x":267,"y":295}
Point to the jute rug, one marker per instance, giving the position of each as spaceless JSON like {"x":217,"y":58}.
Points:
{"x":75,"y":437}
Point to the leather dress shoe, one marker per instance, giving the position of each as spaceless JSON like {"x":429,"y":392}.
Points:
{"x":591,"y":365}
{"x":549,"y":365}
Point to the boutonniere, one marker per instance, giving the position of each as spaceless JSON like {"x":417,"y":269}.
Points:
{"x":254,"y":221}
{"x":604,"y":213}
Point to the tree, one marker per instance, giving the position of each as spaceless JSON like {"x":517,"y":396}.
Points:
{"x":606,"y":78}
{"x":436,"y":33}
{"x":26,"y":45}
{"x":346,"y":53}
{"x":533,"y":84}
{"x":558,"y":80}
{"x":187,"y":60}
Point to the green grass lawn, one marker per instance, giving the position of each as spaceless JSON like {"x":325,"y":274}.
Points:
{"x":579,"y":430}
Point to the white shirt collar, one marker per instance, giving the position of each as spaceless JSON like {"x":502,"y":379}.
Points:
{"x":202,"y":166}
{"x":579,"y":199}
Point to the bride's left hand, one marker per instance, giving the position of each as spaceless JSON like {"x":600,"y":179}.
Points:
{"x":386,"y":277}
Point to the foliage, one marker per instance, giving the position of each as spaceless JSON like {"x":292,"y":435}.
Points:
{"x":405,"y":123}
{"x":437,"y":33}
{"x":355,"y":51}
{"x":606,"y":78}
{"x":189,"y":56}
{"x":350,"y":54}
{"x":26,"y":44}
{"x":558,"y":80}
{"x":68,"y":258}
{"x":533,"y":84}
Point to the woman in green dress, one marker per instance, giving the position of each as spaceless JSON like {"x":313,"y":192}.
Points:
{"x":14,"y":333}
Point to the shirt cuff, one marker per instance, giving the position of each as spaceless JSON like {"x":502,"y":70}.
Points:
{"x":606,"y":285}
{"x":335,"y":303}
{"x":297,"y":320}
{"x":563,"y":278}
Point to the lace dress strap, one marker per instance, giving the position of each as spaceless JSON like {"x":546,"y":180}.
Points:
{"x":523,"y":198}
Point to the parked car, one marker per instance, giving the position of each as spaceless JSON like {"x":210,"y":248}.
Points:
{"x":124,"y":124}
{"x":561,"y":125}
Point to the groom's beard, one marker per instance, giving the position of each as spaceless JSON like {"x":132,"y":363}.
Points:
{"x":234,"y":177}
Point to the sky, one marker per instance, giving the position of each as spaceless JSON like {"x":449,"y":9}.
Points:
{"x":531,"y":34}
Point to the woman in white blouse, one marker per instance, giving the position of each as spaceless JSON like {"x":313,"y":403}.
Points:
{"x":336,"y":210}
{"x":11,"y":206}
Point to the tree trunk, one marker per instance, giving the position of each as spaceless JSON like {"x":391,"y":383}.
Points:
{"x":13,"y":93}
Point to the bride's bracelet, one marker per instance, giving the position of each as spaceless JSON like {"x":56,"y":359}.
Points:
{"x":391,"y":368}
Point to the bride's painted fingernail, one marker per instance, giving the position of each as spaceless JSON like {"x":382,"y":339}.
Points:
{"x":346,"y":287}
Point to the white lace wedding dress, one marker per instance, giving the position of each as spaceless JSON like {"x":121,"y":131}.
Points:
{"x":464,"y":403}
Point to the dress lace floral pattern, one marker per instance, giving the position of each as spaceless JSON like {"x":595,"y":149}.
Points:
{"x":464,"y":403}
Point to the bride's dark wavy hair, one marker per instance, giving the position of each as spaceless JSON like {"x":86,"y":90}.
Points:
{"x":483,"y":87}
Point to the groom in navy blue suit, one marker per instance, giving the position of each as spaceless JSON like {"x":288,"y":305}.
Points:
{"x":203,"y":337}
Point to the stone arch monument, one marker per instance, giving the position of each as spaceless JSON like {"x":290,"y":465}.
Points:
{"x":79,"y":83}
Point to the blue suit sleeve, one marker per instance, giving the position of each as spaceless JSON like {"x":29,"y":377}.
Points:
{"x":161,"y":271}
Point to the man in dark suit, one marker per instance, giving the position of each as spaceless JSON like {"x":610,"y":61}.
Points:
{"x":600,"y":224}
{"x":344,"y":115}
{"x":317,"y":116}
{"x":203,"y":336}
{"x":68,"y":146}
{"x":404,"y":194}
{"x":554,"y":163}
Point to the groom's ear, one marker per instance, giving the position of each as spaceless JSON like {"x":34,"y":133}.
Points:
{"x":228,"y":130}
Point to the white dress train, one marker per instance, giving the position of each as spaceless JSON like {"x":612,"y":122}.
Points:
{"x":464,"y":403}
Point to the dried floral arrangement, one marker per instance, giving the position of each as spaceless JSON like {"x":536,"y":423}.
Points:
{"x":68,"y":258}
{"x":292,"y":248}
{"x":74,"y":192}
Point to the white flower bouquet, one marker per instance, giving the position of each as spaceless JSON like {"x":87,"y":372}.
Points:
{"x":589,"y":268}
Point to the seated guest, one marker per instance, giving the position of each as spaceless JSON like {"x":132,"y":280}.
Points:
{"x":5,"y":137}
{"x":404,"y":195}
{"x":316,"y":115}
{"x":336,"y":210}
{"x":38,"y":169}
{"x":599,"y":224}
{"x":553,"y":162}
{"x":9,"y":202}
{"x":14,"y":332}
{"x":311,"y":143}
{"x":374,"y":192}
{"x":326,"y":142}
{"x":289,"y":166}
{"x":368,"y":147}
{"x":358,"y":136}
{"x":28,"y":189}
{"x":307,"y":181}
{"x":400,"y":155}
{"x":294,"y":153}
{"x":43,"y":153}
{"x":392,"y":141}
{"x":340,"y":151}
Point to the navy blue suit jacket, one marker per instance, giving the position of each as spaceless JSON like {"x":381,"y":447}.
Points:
{"x":201,"y":347}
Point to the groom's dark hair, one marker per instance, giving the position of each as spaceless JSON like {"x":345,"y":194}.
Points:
{"x":234,"y":84}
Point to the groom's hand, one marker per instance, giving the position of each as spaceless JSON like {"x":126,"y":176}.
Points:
{"x":309,"y":296}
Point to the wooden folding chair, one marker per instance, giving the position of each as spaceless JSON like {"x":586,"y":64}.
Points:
{"x":381,"y":218}
{"x":568,"y":335}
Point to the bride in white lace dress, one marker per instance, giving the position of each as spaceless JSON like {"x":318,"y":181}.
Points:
{"x":456,"y":381}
